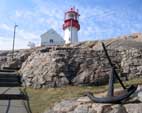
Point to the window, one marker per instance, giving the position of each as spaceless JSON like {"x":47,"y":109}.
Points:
{"x":51,"y":40}
{"x":70,"y":16}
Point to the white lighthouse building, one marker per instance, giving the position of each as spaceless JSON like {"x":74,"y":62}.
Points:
{"x":71,"y":26}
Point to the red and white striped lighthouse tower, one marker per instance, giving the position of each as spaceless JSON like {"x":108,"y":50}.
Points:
{"x":71,"y":26}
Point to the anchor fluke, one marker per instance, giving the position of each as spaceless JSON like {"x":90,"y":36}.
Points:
{"x":114,"y":99}
{"x":111,"y":98}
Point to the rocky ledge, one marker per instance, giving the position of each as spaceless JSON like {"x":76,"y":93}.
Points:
{"x":19,"y":57}
{"x":66,"y":66}
{"x":85,"y":105}
{"x":56,"y":67}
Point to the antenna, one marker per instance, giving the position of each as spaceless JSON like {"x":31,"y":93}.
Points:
{"x":77,"y":10}
{"x":74,"y":8}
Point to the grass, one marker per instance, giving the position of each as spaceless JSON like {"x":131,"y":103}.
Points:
{"x":42,"y":99}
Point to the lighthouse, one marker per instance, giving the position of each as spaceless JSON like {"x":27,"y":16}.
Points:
{"x":71,"y":26}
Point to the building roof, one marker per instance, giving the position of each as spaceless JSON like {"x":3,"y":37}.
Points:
{"x":50,"y":31}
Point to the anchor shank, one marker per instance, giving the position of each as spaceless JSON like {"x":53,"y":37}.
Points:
{"x":111,"y":64}
{"x":111,"y":86}
{"x":120,"y":81}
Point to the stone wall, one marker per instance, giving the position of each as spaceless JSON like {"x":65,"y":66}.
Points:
{"x":68,"y":66}
{"x":131,"y":62}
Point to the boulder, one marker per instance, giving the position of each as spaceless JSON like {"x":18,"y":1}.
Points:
{"x":85,"y":105}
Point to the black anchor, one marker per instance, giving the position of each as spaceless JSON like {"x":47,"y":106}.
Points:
{"x":110,"y":98}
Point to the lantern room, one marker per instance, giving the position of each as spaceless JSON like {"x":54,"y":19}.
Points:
{"x":71,"y":19}
{"x":72,"y":14}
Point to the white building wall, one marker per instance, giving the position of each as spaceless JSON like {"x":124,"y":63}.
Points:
{"x":71,"y":36}
{"x":56,"y":39}
{"x":74,"y":35}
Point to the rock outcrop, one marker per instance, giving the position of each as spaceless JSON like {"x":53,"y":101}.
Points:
{"x":64,"y":66}
{"x":18,"y":58}
{"x":3,"y":57}
{"x":78,"y":66}
{"x":85,"y":105}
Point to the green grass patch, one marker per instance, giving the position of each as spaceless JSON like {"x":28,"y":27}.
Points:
{"x":41,"y":99}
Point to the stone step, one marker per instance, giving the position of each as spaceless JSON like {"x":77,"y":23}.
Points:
{"x":5,"y":70}
{"x":10,"y":77}
{"x":14,"y":79}
{"x":13,"y":97}
{"x":10,"y":84}
{"x":8,"y":73}
{"x":10,"y":68}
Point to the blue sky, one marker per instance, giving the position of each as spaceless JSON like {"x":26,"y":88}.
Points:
{"x":100,"y":19}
